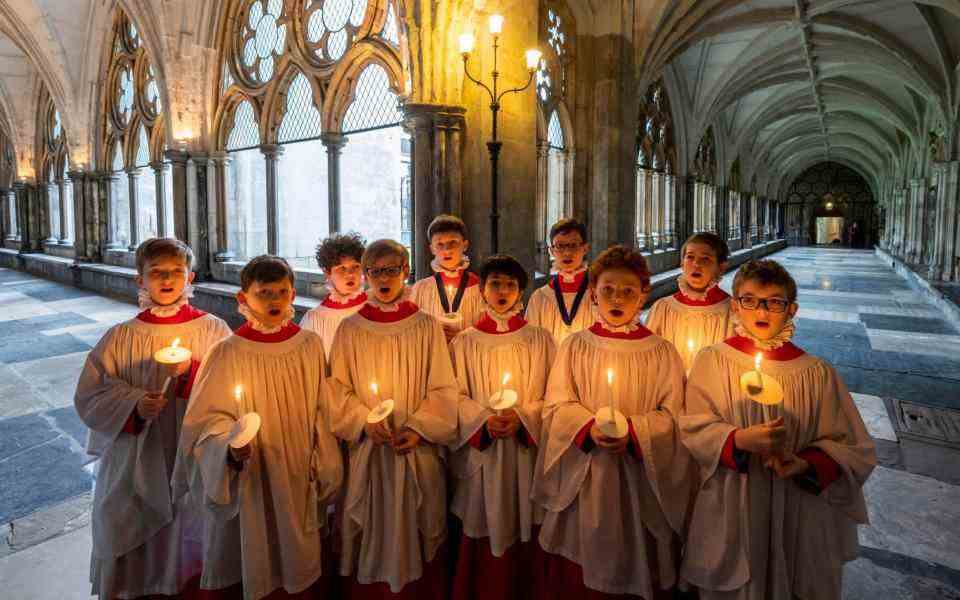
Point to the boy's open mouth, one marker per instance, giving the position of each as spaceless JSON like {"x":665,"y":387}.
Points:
{"x":616,"y":312}
{"x":275,"y":312}
{"x":502,"y":301}
{"x":166,"y":290}
{"x":762,"y":324}
{"x":384,"y":290}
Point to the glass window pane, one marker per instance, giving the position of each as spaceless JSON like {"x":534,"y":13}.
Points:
{"x":120,"y":209}
{"x":12,"y":211}
{"x":302,"y":189}
{"x":247,"y":204}
{"x":375,"y":198}
{"x":68,"y":236}
{"x":556,"y":184}
{"x":147,"y":203}
{"x":53,"y":199}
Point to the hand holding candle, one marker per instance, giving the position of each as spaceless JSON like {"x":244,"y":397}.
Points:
{"x":174,"y":359}
{"x":610,"y":421}
{"x":378,"y":420}
{"x":761,"y":388}
{"x":247,"y":425}
{"x":504,"y":399}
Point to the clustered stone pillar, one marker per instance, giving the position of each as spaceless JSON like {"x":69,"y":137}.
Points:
{"x":221,"y":163}
{"x":132,"y":175}
{"x":159,"y":174}
{"x":946,"y":235}
{"x":436,"y":132}
{"x":198,"y":213}
{"x":272,"y":154}
{"x":80,"y":250}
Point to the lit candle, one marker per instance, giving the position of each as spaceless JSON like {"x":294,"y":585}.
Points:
{"x":496,"y":24}
{"x":172,"y":354}
{"x":760,"y":389}
{"x":613,"y":397}
{"x":503,"y":383}
{"x":756,"y":367}
{"x":238,"y":396}
{"x":376,"y":391}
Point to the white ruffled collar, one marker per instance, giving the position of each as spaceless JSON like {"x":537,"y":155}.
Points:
{"x":390,"y":306}
{"x":693,"y":294}
{"x":773,"y":343}
{"x":258,"y":325}
{"x":503,"y":319}
{"x":438,"y":268}
{"x":335,"y":296}
{"x":164,"y":310}
{"x":630,"y":327}
{"x":567,"y":276}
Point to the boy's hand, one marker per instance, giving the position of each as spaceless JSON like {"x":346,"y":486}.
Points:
{"x":767,"y":439}
{"x":406,"y":441}
{"x":505,"y":425}
{"x":151,"y":405}
{"x":241,"y":455}
{"x":788,"y":466}
{"x":176,"y":370}
{"x":378,"y":432}
{"x":611,"y":445}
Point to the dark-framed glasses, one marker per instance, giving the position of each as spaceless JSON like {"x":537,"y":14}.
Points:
{"x":774,"y":305}
{"x":377,"y":273}
{"x":569,"y":247}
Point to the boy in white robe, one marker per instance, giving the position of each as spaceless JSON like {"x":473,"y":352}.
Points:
{"x":452,"y":293}
{"x":497,"y":449}
{"x":339,"y":257}
{"x":699,"y":314}
{"x":782,"y":485}
{"x":615,"y":501}
{"x":563,"y":306}
{"x":276,"y":487}
{"x":394,"y":519}
{"x":143,"y":538}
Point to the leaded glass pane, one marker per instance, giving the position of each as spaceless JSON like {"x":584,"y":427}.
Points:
{"x":375,"y":185}
{"x":125,"y":95}
{"x":555,"y":132}
{"x":302,"y":119}
{"x":390,"y":29}
{"x":336,"y":13}
{"x":359,"y":10}
{"x":265,"y":40}
{"x":143,"y":148}
{"x":337,"y":44}
{"x":374,"y":104}
{"x":245,"y":132}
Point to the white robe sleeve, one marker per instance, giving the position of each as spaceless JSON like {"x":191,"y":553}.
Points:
{"x":703,"y":429}
{"x":436,"y":417}
{"x":472,"y":415}
{"x":348,"y":414}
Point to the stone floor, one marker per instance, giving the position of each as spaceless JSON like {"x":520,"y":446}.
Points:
{"x":886,"y":341}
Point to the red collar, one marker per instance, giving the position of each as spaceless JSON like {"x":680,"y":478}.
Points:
{"x":375,"y":314}
{"x":247,"y":331}
{"x":569,"y":287}
{"x":785,"y":352}
{"x":472,"y":278}
{"x":186,"y":314}
{"x":638,"y":334}
{"x":714,"y":296}
{"x":330,"y":303}
{"x":487,"y":325}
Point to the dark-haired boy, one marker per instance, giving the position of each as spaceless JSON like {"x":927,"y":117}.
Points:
{"x":278,"y":484}
{"x":141,"y":544}
{"x":563,"y":306}
{"x":339,"y":256}
{"x":781,"y":489}
{"x":452,"y":293}
{"x":497,"y":449}
{"x":699,"y":314}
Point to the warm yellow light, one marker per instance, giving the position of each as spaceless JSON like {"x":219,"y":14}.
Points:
{"x":496,"y":24}
{"x":690,"y":345}
{"x":466,"y":43}
{"x":533,"y":59}
{"x":506,"y":378}
{"x":238,"y":393}
{"x":756,"y":361}
{"x":375,"y":389}
{"x":175,"y":343}
{"x":610,"y":377}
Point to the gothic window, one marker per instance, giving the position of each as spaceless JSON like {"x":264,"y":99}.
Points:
{"x":52,"y":156}
{"x":656,"y":187}
{"x":305,"y":84}
{"x":705,"y":170}
{"x":132,"y":136}
{"x":733,"y":206}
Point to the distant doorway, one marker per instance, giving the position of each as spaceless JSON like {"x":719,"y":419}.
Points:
{"x":829,"y":231}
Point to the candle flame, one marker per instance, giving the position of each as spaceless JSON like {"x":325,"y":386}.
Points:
{"x":506,"y":378}
{"x":610,"y":377}
{"x":374,"y":388}
{"x":176,"y":342}
{"x":756,"y":361}
{"x":690,"y":345}
{"x":238,"y":392}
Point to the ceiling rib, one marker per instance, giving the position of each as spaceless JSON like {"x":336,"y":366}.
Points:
{"x":803,"y":24}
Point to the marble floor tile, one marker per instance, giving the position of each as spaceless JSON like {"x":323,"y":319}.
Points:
{"x":874,"y":414}
{"x":41,"y":323}
{"x":926,"y":312}
{"x":17,"y":397}
{"x":27,"y":347}
{"x":54,"y":379}
{"x":947,"y":346}
{"x":828,"y":315}
{"x":908,"y":324}
{"x":24,"y":311}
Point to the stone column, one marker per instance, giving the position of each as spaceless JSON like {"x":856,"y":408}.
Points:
{"x":178,"y":163}
{"x":20,"y":199}
{"x":436,"y":132}
{"x":132,"y":175}
{"x":272,"y":154}
{"x":542,"y":227}
{"x":45,"y":192}
{"x":198,"y":213}
{"x":946,"y":245}
{"x":4,"y":216}
{"x":917,"y":208}
{"x":334,"y":143}
{"x":159,"y":174}
{"x":220,"y":245}
{"x":64,"y":228}
{"x":723,"y":211}
{"x":80,"y":239}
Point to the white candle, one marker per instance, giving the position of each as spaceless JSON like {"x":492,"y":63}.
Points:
{"x":172,"y":354}
{"x":238,"y":396}
{"x":451,"y":292}
{"x":756,"y":367}
{"x":613,"y":397}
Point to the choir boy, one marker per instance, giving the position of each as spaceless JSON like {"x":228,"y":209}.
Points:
{"x":274,"y":489}
{"x":615,"y":502}
{"x":141,"y":531}
{"x":699,"y":314}
{"x":497,"y":449}
{"x":452,"y":293}
{"x":394,"y":519}
{"x":782,"y":485}
{"x":339,"y":256}
{"x":563,"y":307}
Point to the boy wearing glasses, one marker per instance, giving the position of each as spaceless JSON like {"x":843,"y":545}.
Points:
{"x":496,"y":450}
{"x":452,"y":293}
{"x":699,"y":314}
{"x":267,"y":499}
{"x":562,"y":306}
{"x":782,"y":484}
{"x":616,"y":501}
{"x":140,"y":529}
{"x":339,"y":257}
{"x":395,"y":508}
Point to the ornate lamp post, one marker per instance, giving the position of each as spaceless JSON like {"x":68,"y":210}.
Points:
{"x":494,"y":145}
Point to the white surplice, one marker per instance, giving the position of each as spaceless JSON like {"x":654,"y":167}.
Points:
{"x":279,"y":499}
{"x":139,"y":525}
{"x":395,"y":506}
{"x":492,"y":496}
{"x":425,"y":295}
{"x":325,"y":318}
{"x":615,"y":516}
{"x":680,"y":323}
{"x":754,"y":536}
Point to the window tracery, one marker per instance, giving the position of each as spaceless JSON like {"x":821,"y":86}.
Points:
{"x":656,"y":187}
